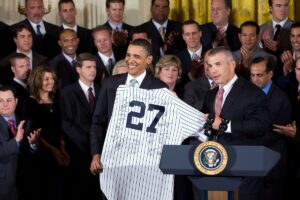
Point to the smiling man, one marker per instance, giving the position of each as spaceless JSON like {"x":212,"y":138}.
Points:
{"x":138,"y":57}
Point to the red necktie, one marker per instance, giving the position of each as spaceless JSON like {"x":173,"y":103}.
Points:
{"x":219,"y":101}
{"x":12,"y":127}
{"x":91,"y":98}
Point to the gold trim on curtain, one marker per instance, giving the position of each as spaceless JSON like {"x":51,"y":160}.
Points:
{"x":199,"y":10}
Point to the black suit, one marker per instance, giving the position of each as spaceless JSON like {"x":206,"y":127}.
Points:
{"x":76,"y":123}
{"x":46,"y":45}
{"x":66,"y":73}
{"x":86,"y":43}
{"x":22,"y":94}
{"x":105,"y":103}
{"x":156,"y":40}
{"x":194,"y":92}
{"x":4,"y":35}
{"x":246,"y":108}
{"x":209,"y":32}
{"x":122,"y":49}
{"x":6,"y":75}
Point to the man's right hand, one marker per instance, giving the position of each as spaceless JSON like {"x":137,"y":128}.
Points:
{"x":96,"y":165}
{"x":20,"y":131}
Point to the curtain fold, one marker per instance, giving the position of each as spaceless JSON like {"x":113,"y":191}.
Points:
{"x":199,"y":10}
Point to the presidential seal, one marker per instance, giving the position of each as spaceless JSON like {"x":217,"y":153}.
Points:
{"x":210,"y":158}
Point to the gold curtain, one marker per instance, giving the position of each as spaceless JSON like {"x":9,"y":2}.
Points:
{"x":199,"y":10}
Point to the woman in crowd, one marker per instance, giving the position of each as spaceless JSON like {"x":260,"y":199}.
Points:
{"x":41,"y":108}
{"x":168,"y":69}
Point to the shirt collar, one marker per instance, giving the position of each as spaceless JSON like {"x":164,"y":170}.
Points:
{"x":69,"y":58}
{"x":114,"y":26}
{"x":224,"y":27}
{"x":69,"y":27}
{"x":11,"y":117}
{"x":140,"y":78}
{"x":198,"y":52}
{"x":281,"y":23}
{"x":158,"y":25}
{"x":229,"y":85}
{"x":105,"y":58}
{"x":84,"y":87}
{"x":41,"y":23}
{"x":267,"y":87}
{"x":20,"y":82}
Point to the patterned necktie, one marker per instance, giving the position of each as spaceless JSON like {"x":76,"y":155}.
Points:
{"x":213,"y":85}
{"x":133,"y":83}
{"x":91,"y":98}
{"x":38,"y":31}
{"x":162,"y":32}
{"x":219,"y":101}
{"x":195,"y":57}
{"x":277,"y":32}
{"x":73,"y":63}
{"x":12,"y":127}
{"x":110,"y":65}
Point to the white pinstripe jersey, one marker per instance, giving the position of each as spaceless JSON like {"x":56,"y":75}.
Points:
{"x":142,"y":122}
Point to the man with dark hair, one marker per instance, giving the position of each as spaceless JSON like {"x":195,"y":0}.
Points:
{"x":78,"y":101}
{"x":12,"y":135}
{"x":138,"y":57}
{"x":120,"y":30}
{"x":165,"y":34}
{"x":4,"y":34}
{"x":280,"y":107}
{"x":105,"y":57}
{"x":275,"y":33}
{"x":67,"y":13}
{"x":219,"y":32}
{"x":241,"y":107}
{"x":23,"y":41}
{"x":44,"y":34}
{"x":64,"y":64}
{"x":249,"y":36}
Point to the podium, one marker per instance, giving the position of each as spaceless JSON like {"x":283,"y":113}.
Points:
{"x":243,"y":161}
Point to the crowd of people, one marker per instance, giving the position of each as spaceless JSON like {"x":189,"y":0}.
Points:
{"x":58,"y":86}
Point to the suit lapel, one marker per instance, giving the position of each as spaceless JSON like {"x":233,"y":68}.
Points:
{"x":81,"y":97}
{"x":5,"y":132}
{"x":232,"y":96}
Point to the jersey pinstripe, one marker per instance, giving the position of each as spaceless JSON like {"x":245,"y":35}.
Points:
{"x":142,"y":122}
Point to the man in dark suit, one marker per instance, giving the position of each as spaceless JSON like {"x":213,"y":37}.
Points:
{"x":21,"y":68}
{"x":120,"y":30}
{"x":4,"y":33}
{"x":11,"y":137}
{"x":67,"y":13}
{"x":219,"y":32}
{"x":78,"y":108}
{"x":261,"y":70}
{"x":64,"y":64}
{"x":137,"y":58}
{"x":165,"y":34}
{"x":192,"y":56}
{"x":240,"y":107}
{"x":105,"y":57}
{"x":23,"y":40}
{"x":44,"y":34}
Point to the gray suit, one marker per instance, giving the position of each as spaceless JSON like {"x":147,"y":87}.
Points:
{"x":9,"y":151}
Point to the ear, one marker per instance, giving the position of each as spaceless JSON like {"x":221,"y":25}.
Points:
{"x":78,"y":70}
{"x":149,"y":59}
{"x":13,"y":69}
{"x":59,"y":43}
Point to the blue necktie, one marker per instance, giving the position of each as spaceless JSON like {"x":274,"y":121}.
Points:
{"x":38,"y":31}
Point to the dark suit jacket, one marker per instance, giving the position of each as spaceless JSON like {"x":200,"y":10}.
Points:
{"x":66,"y":73}
{"x":6,"y":75}
{"x":246,"y":108}
{"x":46,"y":45}
{"x":209,"y":32}
{"x":194,"y":92}
{"x":77,"y":116}
{"x":156,"y":40}
{"x":4,"y":35}
{"x":9,"y":152}
{"x":122,"y":49}
{"x":22,"y":94}
{"x":105,"y":103}
{"x":86,"y":43}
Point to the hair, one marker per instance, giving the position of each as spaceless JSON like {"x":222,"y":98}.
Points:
{"x":190,"y":22}
{"x":221,"y":49}
{"x":269,"y":62}
{"x":120,"y":63}
{"x":67,"y":30}
{"x":137,"y":30}
{"x":153,"y":1}
{"x":84,"y":57}
{"x":228,"y":4}
{"x":296,"y":24}
{"x":18,"y":28}
{"x":65,"y":1}
{"x":101,"y":28}
{"x":251,"y":23}
{"x":5,"y":88}
{"x":108,"y":2}
{"x":35,"y":81}
{"x":26,"y":1}
{"x":15,"y":56}
{"x":167,"y":61}
{"x":143,"y":43}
